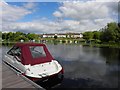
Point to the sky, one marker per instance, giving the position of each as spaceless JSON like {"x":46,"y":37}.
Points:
{"x":57,"y":16}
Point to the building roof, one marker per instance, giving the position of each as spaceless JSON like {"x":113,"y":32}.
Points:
{"x":63,"y":34}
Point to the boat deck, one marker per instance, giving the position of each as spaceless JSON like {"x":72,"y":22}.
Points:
{"x":10,"y":79}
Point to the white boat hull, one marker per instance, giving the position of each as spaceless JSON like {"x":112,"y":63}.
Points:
{"x":44,"y":70}
{"x":35,"y":71}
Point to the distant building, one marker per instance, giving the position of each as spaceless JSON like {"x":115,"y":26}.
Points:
{"x":48,"y":35}
{"x":62,"y":35}
{"x":74,"y":35}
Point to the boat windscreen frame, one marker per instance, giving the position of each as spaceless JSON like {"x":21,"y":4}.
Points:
{"x":15,"y":55}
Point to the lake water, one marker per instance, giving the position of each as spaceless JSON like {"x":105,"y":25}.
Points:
{"x":85,"y":66}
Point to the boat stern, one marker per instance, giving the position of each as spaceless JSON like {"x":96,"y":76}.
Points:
{"x":43,"y":70}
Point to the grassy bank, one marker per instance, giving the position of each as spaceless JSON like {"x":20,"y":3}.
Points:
{"x":107,"y":45}
{"x":72,"y":42}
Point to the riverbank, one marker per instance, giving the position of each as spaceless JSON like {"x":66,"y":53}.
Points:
{"x":73,"y":42}
{"x":92,"y":42}
{"x":106,"y":45}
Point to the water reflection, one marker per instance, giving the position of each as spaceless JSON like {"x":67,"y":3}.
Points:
{"x":111,"y":55}
{"x":51,"y":82}
{"x":84,"y":66}
{"x":87,"y":62}
{"x":82,"y":83}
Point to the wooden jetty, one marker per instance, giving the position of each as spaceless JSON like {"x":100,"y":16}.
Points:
{"x":10,"y":79}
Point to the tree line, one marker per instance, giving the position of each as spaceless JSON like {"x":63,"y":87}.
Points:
{"x":110,"y":33}
{"x":17,"y":36}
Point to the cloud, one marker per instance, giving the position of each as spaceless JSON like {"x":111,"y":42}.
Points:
{"x":42,"y":27}
{"x":86,"y":10}
{"x":106,"y":0}
{"x":12,"y":12}
{"x":81,"y":16}
{"x":57,"y":14}
{"x":29,"y":5}
{"x":92,"y":15}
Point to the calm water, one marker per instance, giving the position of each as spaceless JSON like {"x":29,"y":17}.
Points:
{"x":84,"y":66}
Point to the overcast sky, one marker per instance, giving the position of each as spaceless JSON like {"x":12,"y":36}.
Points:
{"x":57,"y":17}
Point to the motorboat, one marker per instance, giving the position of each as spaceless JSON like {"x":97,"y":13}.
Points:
{"x":32,"y":60}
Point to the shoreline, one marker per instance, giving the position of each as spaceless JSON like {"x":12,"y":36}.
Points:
{"x":84,"y":44}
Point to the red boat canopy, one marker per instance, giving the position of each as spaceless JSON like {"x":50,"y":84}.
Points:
{"x":33,"y":53}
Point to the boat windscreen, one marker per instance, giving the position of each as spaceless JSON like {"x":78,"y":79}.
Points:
{"x":37,"y":51}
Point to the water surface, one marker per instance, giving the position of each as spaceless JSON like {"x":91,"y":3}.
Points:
{"x":85,"y":66}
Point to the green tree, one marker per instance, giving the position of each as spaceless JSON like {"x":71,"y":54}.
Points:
{"x":3,"y":36}
{"x":19,"y":33}
{"x":118,"y":33}
{"x":96,"y":35}
{"x":55,"y":37}
{"x":0,"y":34}
{"x":21,"y":37}
{"x":87,"y":35}
{"x":110,"y":33}
{"x":32,"y":36}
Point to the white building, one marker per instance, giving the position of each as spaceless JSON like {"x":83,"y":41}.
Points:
{"x":63,"y":35}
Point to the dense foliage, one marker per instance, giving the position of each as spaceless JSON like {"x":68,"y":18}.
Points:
{"x":17,"y":36}
{"x":110,"y":33}
{"x":0,"y":34}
